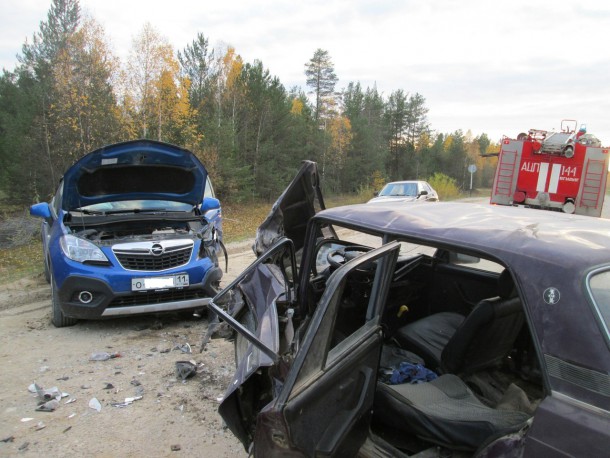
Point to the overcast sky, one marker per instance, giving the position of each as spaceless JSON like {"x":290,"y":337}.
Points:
{"x":488,"y":66}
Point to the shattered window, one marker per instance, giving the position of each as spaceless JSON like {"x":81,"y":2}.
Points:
{"x":599,"y":286}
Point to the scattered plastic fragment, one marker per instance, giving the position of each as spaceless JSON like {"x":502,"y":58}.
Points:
{"x":184,"y":348}
{"x":70,"y":401}
{"x":25,"y":420}
{"x":48,"y":406}
{"x":127,"y":401}
{"x":45,"y":395}
{"x":185,"y":369}
{"x":103,"y":356}
{"x":8,"y":439}
{"x":40,"y":425}
{"x":95,"y":404}
{"x":72,"y":415}
{"x":67,"y":429}
{"x":176,"y":448}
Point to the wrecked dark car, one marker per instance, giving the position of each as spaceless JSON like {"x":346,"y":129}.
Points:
{"x":134,"y":228}
{"x":435,"y":330}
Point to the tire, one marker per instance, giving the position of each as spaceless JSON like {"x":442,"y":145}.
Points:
{"x":58,"y":318}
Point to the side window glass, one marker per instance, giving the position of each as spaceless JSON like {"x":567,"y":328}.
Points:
{"x":599,"y":286}
{"x":56,"y":202}
{"x":209,"y":191}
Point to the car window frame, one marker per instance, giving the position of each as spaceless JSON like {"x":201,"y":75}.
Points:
{"x":55,"y":206}
{"x":280,"y":245}
{"x":296,"y":382}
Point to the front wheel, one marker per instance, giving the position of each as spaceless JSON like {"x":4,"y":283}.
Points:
{"x":58,"y":319}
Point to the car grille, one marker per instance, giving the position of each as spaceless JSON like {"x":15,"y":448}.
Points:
{"x":139,"y":258}
{"x":149,"y":298}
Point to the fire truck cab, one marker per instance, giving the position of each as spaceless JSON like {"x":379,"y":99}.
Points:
{"x":563,"y":171}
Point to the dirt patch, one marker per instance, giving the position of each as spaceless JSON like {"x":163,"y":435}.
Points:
{"x":172,"y":417}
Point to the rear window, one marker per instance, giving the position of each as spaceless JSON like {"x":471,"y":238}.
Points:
{"x":599,"y":286}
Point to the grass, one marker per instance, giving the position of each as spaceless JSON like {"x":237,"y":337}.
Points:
{"x":21,"y":261}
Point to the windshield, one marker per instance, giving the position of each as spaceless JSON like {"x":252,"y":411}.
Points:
{"x":399,"y":189}
{"x":136,"y":206}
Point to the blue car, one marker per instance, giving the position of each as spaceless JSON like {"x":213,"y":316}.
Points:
{"x":134,"y":228}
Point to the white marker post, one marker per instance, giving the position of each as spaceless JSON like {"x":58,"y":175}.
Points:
{"x":471,"y":168}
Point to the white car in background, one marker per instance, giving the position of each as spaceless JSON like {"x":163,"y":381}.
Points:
{"x":406,"y":191}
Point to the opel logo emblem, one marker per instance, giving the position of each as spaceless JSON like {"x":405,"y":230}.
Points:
{"x":157,"y":249}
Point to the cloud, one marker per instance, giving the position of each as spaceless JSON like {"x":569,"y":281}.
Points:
{"x":493,"y":67}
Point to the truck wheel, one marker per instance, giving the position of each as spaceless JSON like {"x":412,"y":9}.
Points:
{"x":569,"y":207}
{"x":58,"y":319}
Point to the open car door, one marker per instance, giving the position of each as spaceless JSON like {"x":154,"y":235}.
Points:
{"x":328,"y":395}
{"x":257,"y":305}
{"x":323,"y":389}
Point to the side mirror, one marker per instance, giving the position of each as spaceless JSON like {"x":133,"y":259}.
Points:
{"x":423,"y":193}
{"x":209,"y":203}
{"x":41,"y":210}
{"x":376,"y":193}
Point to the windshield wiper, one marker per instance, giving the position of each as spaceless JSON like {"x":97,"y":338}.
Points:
{"x":89,"y":212}
{"x":143,"y":210}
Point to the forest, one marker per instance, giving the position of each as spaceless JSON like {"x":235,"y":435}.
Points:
{"x":68,"y":95}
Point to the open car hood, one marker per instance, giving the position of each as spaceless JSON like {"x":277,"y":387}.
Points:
{"x":289,"y":216}
{"x":134,"y":170}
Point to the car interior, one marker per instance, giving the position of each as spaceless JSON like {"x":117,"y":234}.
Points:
{"x":458,"y":368}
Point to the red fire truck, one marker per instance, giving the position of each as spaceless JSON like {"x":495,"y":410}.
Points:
{"x":564,"y":171}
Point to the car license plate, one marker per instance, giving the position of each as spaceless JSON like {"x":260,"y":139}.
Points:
{"x":152,"y":283}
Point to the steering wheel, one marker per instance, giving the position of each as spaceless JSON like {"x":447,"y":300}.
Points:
{"x":336,"y":258}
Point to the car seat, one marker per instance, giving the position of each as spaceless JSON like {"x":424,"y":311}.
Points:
{"x":452,"y":343}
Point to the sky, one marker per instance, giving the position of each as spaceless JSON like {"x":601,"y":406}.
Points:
{"x":486,"y":66}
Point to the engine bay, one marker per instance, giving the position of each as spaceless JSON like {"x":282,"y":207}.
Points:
{"x":124,"y":230}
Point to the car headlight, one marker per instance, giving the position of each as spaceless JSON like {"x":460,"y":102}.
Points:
{"x":81,"y":250}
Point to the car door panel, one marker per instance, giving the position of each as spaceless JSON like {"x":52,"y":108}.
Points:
{"x":328,"y":396}
{"x":347,"y":389}
{"x":589,"y":434}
